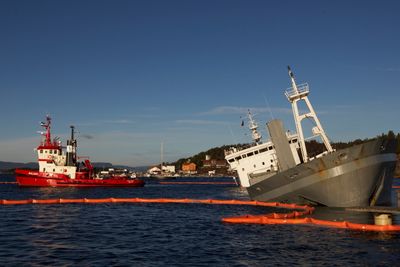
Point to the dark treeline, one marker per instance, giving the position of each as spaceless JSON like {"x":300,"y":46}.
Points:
{"x":313,"y":148}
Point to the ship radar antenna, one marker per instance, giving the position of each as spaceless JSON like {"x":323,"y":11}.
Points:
{"x":47,"y":134}
{"x":253,"y":126}
{"x":295,"y":94}
{"x":71,"y":149}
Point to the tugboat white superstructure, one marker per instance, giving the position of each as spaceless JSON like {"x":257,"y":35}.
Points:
{"x":282,"y":170}
{"x":61,"y":168}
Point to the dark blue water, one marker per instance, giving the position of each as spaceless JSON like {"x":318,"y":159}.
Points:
{"x":173,"y":234}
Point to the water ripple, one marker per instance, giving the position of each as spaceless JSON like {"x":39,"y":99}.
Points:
{"x":172,"y":234}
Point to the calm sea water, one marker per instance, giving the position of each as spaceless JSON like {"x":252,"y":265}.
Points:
{"x":174,"y":234}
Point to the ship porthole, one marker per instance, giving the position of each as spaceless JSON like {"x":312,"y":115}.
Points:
{"x":343,"y":156}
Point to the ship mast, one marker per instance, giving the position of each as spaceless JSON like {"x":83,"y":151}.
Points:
{"x":161,"y":156}
{"x":47,"y":135}
{"x":294,"y":95}
{"x":71,"y":149}
{"x":253,"y":126}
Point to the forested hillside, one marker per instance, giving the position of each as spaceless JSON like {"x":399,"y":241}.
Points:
{"x":313,"y":148}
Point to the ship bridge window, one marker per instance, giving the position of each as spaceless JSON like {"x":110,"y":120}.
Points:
{"x":263,"y":150}
{"x":270,"y":148}
{"x":256,"y":152}
{"x":231,"y":160}
{"x":244,"y":155}
{"x":294,"y":141}
{"x":238,"y":158}
{"x":55,"y":151}
{"x":41,"y":151}
{"x":250,"y":154}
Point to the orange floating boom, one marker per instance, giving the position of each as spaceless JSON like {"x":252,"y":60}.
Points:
{"x":273,"y":218}
{"x":219,"y":183}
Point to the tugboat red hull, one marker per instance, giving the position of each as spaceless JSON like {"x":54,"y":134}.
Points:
{"x":29,"y":178}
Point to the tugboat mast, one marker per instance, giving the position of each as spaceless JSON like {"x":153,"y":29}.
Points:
{"x":294,"y":95}
{"x":71,"y":149}
{"x":47,"y":136}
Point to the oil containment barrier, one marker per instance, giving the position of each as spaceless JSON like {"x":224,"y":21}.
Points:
{"x":216,"y":183}
{"x":273,"y":218}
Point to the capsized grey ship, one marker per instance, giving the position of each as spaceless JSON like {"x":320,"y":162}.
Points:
{"x":282,"y":170}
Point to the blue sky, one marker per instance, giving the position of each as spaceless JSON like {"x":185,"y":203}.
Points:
{"x":133,"y":74}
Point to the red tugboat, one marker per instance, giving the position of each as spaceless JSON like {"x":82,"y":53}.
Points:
{"x":59,"y":168}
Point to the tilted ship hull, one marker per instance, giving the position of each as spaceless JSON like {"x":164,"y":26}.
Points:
{"x":281,"y":169}
{"x":357,"y":176}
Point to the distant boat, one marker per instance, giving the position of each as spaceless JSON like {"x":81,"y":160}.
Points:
{"x":282,"y":170}
{"x":59,"y":168}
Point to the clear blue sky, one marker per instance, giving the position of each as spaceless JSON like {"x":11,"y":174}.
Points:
{"x":133,"y":74}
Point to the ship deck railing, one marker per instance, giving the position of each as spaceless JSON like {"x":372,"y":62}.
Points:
{"x":302,"y":90}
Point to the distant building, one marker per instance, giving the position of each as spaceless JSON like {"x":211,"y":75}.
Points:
{"x":214,"y":166}
{"x":211,"y":173}
{"x":214,"y":163}
{"x":189,"y":167}
{"x":168,"y":168}
{"x":154,"y":170}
